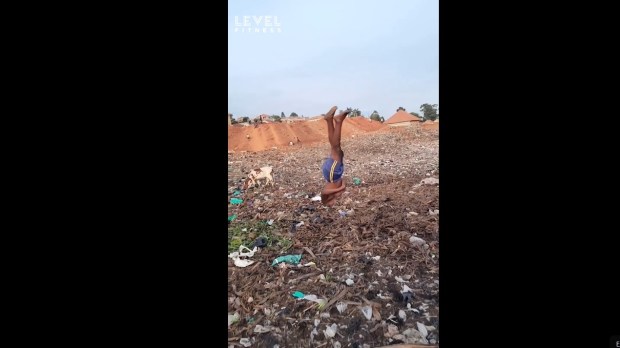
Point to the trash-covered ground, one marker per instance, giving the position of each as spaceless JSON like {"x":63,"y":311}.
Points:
{"x":363,"y":273}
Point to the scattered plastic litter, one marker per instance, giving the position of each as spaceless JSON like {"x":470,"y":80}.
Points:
{"x":232,"y":217}
{"x":236,"y":201}
{"x":407,"y":296}
{"x":237,"y":193}
{"x":422,"y":329}
{"x":416,"y":241}
{"x":367,"y":311}
{"x":330,"y":331}
{"x":292,"y":259}
{"x":311,"y":297}
{"x":357,"y":181}
{"x":314,"y":298}
{"x":316,"y":198}
{"x":237,"y":256}
{"x":349,"y":282}
{"x":341,"y":306}
{"x":313,"y":333}
{"x":243,"y":262}
{"x":260,"y":242}
{"x":295,"y":225}
{"x":270,"y":222}
{"x":239,"y":253}
{"x":322,"y":302}
{"x":245,"y":342}
{"x":261,"y":329}
{"x":298,"y":294}
{"x":233,"y":318}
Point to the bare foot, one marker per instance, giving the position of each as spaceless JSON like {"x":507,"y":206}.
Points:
{"x":330,"y":114}
{"x":341,"y":116}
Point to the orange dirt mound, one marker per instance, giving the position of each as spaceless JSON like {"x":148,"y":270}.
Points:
{"x":430,"y":125}
{"x":309,"y":132}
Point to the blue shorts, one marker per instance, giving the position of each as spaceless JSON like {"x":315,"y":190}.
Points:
{"x":332,"y":170}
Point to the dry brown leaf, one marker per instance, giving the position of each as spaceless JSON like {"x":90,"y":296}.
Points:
{"x":376,"y":315}
{"x":309,"y":251}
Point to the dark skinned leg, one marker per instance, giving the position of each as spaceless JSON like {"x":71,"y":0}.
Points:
{"x":336,"y":149}
{"x":329,"y":117}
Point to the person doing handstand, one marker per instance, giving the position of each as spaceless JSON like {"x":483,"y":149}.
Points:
{"x":333,"y":167}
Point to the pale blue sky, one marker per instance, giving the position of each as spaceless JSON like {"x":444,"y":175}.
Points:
{"x":365,"y":54}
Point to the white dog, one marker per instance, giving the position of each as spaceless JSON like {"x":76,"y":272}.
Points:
{"x":256,"y":174}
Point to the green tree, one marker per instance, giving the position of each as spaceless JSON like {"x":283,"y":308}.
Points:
{"x":276,"y":118}
{"x":245,"y":119}
{"x":376,"y":117}
{"x":282,"y":115}
{"x":400,"y":108}
{"x":354,"y":112}
{"x":294,"y":114}
{"x":429,"y":111}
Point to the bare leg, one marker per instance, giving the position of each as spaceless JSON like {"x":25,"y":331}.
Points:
{"x":335,"y":143}
{"x":329,"y":117}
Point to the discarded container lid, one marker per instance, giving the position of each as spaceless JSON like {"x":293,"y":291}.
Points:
{"x":357,"y":181}
{"x":236,"y":201}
